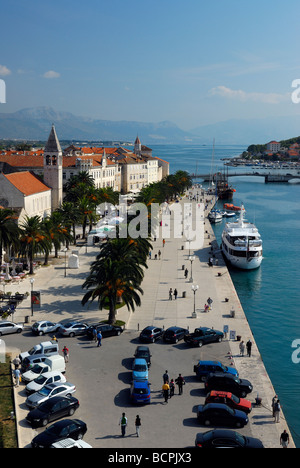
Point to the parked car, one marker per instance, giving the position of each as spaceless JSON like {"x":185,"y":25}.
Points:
{"x":72,"y":329}
{"x":44,"y":379}
{"x":47,"y":348}
{"x":151,"y":334}
{"x":226,"y":439}
{"x":217,"y":396}
{"x":174,"y":334}
{"x":217,"y":414}
{"x":73,"y":428}
{"x":44,"y":326}
{"x":106,"y":330}
{"x":143,"y":352}
{"x":44,"y":364}
{"x":202,"y":336}
{"x":140,"y":392}
{"x":139,"y":369}
{"x":228,"y":383}
{"x":30,"y":362}
{"x":50,"y":391}
{"x":71,"y":443}
{"x":7,"y":328}
{"x":204,"y":368}
{"x":55,"y":408}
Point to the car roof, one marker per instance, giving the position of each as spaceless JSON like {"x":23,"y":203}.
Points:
{"x":142,"y":348}
{"x":222,"y":375}
{"x":140,"y":383}
{"x":220,"y":393}
{"x":54,"y":384}
{"x":216,"y":405}
{"x":3,"y":322}
{"x":174,"y":328}
{"x":209,"y":363}
{"x":140,"y":361}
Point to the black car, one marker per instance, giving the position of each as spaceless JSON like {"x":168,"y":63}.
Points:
{"x":229,"y":383}
{"x":151,"y":334}
{"x":226,"y":439}
{"x":174,"y":334}
{"x":54,"y":408}
{"x":106,"y":330}
{"x":203,"y":336}
{"x":73,"y":428}
{"x":218,"y":414}
{"x":143,"y":352}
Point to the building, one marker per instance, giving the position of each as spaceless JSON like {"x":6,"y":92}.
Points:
{"x":273,"y":147}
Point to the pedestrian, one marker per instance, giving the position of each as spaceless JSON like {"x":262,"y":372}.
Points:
{"x":180,"y":382}
{"x":166,"y":377}
{"x":206,"y":308}
{"x":175,"y":293}
{"x":242,"y":348}
{"x":164,"y":241}
{"x":99,"y":338}
{"x":170,"y":294}
{"x":54,"y":339}
{"x":123,"y":424}
{"x":150,"y":254}
{"x":172,"y":388}
{"x":17,"y":375}
{"x":284,"y":439}
{"x":274,"y":400}
{"x":65,"y":352}
{"x":186,"y":272}
{"x":137,"y":425}
{"x":166,"y":389}
{"x":17,"y":362}
{"x":159,"y":254}
{"x":95,"y":334}
{"x":249,"y":348}
{"x":277,"y":409}
{"x":209,"y":302}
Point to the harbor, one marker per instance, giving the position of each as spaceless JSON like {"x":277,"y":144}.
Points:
{"x":162,"y":274}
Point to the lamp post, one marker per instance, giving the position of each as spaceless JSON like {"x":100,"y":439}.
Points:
{"x":195,"y":288}
{"x":191,"y":259}
{"x":32,"y":283}
{"x":65,"y":250}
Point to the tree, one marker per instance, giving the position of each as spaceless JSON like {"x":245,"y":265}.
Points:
{"x":116,"y":275}
{"x":9,"y":231}
{"x":33,"y":239}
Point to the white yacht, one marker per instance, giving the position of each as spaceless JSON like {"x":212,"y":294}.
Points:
{"x":215,"y":217}
{"x":242,"y":243}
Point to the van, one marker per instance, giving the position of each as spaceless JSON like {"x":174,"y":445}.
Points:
{"x":50,"y":364}
{"x":47,"y":348}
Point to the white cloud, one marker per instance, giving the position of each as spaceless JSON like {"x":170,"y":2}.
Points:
{"x":51,"y":74}
{"x":240,"y":95}
{"x":4,"y":71}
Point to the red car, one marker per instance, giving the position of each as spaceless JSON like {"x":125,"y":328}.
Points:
{"x":217,"y":396}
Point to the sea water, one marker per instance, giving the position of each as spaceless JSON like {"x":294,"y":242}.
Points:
{"x":270,"y":295}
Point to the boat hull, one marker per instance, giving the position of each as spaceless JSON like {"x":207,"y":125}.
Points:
{"x":242,"y":263}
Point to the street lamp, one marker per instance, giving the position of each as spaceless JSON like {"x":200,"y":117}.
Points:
{"x":65,"y":250}
{"x":32,"y":283}
{"x":191,"y":259}
{"x":195,"y":288}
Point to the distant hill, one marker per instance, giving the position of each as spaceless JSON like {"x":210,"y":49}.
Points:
{"x":35,"y":124}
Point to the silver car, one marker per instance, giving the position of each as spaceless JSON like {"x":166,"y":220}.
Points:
{"x":73,"y":328}
{"x":44,"y":326}
{"x":10,"y":327}
{"x":49,"y":391}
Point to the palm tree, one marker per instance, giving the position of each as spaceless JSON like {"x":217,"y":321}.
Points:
{"x":70,"y":215}
{"x":9,"y":231}
{"x":33,"y":239}
{"x":115,"y":275}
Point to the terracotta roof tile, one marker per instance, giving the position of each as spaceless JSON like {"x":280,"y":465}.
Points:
{"x":26,"y":183}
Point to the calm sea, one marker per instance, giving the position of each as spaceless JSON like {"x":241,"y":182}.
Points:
{"x":270,"y":296}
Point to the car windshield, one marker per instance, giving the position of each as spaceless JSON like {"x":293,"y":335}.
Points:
{"x":35,"y":325}
{"x":141,"y":391}
{"x":68,"y":325}
{"x":40,"y":380}
{"x":45,"y":391}
{"x":140,"y":368}
{"x":54,"y":430}
{"x":241,"y":439}
{"x":37,"y":369}
{"x":235,"y":399}
{"x":147,"y":332}
{"x":31,"y":351}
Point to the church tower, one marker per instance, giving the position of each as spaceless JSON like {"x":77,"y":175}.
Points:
{"x":53,"y":169}
{"x":137,"y":147}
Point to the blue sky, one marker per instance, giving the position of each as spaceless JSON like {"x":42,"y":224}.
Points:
{"x":192,"y":62}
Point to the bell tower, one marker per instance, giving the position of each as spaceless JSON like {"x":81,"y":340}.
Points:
{"x":53,"y":171}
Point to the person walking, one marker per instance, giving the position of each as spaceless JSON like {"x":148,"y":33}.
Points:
{"x":95,"y":334}
{"x":170,"y":294}
{"x":138,"y":425}
{"x":166,"y":389}
{"x":159,"y":254}
{"x":17,"y":375}
{"x":249,"y":348}
{"x":175,"y":293}
{"x":16,"y":362}
{"x":277,"y":410}
{"x":242,"y":348}
{"x":65,"y":352}
{"x":284,"y":439}
{"x":274,"y":400}
{"x":99,"y":338}
{"x":172,"y":388}
{"x":180,"y":382}
{"x":164,"y":242}
{"x":209,"y":302}
{"x":166,"y":377}
{"x":123,"y":424}
{"x":186,"y":272}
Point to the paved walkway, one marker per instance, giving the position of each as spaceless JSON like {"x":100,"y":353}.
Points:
{"x":61,"y":298}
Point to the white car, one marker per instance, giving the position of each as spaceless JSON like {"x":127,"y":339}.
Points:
{"x":10,"y":327}
{"x":44,"y":379}
{"x":44,"y":326}
{"x":49,"y":391}
{"x":71,"y":443}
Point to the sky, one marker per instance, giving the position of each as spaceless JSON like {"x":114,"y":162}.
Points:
{"x":191,"y":62}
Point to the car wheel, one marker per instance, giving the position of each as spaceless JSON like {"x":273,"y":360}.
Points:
{"x":219,"y":340}
{"x":0,"y":334}
{"x":80,"y":436}
{"x":239,"y":425}
{"x":71,"y":411}
{"x":45,"y":422}
{"x":200,"y":344}
{"x":68,"y":395}
{"x":72,"y":335}
{"x":40,"y":333}
{"x":243,"y":394}
{"x":207,"y":422}
{"x":118,"y":333}
{"x":19,"y":330}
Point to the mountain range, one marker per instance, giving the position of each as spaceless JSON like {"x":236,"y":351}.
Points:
{"x":35,"y":124}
